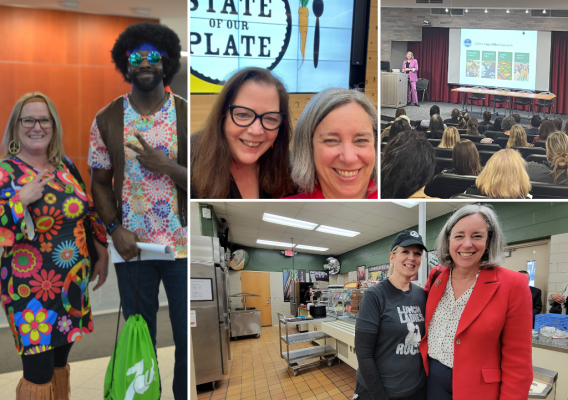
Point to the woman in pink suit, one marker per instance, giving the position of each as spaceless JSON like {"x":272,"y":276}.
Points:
{"x":410,"y":68}
{"x":478,"y":315}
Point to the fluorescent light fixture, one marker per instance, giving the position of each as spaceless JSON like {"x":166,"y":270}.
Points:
{"x":296,"y":223}
{"x":526,"y":12}
{"x":446,"y":9}
{"x":336,"y":231}
{"x":184,"y":53}
{"x":507,"y":11}
{"x":407,"y":204}
{"x":544,"y":11}
{"x":141,"y":10}
{"x":486,"y":11}
{"x":466,"y":10}
{"x":69,"y":4}
{"x":271,"y":243}
{"x":301,"y":246}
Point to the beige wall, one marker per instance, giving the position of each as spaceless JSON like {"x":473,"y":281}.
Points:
{"x":558,"y":267}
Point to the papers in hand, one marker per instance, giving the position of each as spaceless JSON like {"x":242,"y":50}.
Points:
{"x":148,"y":251}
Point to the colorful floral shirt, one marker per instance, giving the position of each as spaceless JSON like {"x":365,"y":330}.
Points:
{"x":149,"y":201}
{"x":45,"y":272}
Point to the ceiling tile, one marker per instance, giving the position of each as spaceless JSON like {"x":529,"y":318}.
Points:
{"x":282,"y":209}
{"x":347,"y":213}
{"x":326,"y":208}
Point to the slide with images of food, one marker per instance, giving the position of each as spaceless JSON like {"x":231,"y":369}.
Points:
{"x":498,"y":58}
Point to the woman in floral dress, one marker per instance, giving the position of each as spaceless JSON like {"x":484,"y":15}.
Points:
{"x":45,"y":267}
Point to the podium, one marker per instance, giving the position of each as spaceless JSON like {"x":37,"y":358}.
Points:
{"x":394,"y":87}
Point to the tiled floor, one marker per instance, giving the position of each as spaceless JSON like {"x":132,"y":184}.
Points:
{"x":87,"y":378}
{"x":257,"y":371}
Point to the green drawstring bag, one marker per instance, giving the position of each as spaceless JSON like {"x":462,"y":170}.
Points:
{"x":132,"y":373}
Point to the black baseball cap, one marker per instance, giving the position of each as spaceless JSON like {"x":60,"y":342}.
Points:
{"x":408,"y":238}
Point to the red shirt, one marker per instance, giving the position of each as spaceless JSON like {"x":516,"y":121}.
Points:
{"x":372,"y":193}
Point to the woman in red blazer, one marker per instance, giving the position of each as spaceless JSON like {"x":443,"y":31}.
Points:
{"x":478,"y":315}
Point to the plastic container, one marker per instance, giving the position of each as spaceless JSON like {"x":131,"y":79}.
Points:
{"x":558,"y":321}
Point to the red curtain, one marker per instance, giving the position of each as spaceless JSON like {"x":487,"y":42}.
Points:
{"x":559,"y":56}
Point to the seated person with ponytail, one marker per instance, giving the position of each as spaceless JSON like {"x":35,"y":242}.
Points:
{"x":553,"y":170}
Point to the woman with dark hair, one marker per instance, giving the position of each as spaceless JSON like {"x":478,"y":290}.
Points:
{"x":400,"y":125}
{"x":436,"y":127}
{"x":242,"y":151}
{"x":557,"y":122}
{"x":464,"y":119}
{"x":546,"y":128}
{"x":399,"y":112}
{"x":486,"y":124}
{"x":408,"y":164}
{"x":555,"y":168}
{"x":472,"y":127}
{"x":465,"y":159}
{"x":497,"y":125}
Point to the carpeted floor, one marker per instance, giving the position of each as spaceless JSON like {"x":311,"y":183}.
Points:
{"x":423,"y":112}
{"x":99,"y":343}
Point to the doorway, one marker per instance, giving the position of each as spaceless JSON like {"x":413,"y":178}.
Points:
{"x":258,"y":283}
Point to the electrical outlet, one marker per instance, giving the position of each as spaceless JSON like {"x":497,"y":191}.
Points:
{"x":206,"y":213}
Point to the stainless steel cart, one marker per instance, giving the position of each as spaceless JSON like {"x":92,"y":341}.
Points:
{"x":245,"y":321}
{"x":322,"y":353}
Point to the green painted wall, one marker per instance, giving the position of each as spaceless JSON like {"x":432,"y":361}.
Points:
{"x":273,"y":260}
{"x":521,"y":222}
{"x":209,"y":227}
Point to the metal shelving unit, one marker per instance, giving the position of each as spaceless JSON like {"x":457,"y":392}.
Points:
{"x":322,"y":353}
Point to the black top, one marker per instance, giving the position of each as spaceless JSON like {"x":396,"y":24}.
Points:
{"x":234,"y":192}
{"x":407,"y":64}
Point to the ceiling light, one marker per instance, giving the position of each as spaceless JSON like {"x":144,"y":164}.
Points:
{"x":466,"y":10}
{"x":69,"y":4}
{"x":526,"y":12}
{"x":486,"y":11}
{"x":446,"y":9}
{"x":407,"y":204}
{"x":296,"y":223}
{"x":336,"y":231}
{"x":141,"y":10}
{"x":507,"y":11}
{"x":544,"y":11}
{"x":270,"y":243}
{"x":301,"y":246}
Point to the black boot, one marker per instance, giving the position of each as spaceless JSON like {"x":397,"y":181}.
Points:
{"x":416,"y":104}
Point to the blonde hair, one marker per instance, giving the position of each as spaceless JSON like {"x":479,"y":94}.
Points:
{"x":518,"y":137}
{"x":450,"y":137}
{"x":55,"y":147}
{"x":557,"y":154}
{"x":504,"y":176}
{"x":394,"y":250}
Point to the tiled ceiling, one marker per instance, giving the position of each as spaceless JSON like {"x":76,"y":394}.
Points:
{"x":373,"y":219}
{"x":158,"y":8}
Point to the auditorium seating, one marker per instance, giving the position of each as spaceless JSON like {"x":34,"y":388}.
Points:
{"x":497,"y":99}
{"x":484,"y":156}
{"x":488,"y":147}
{"x":502,"y":141}
{"x":522,"y":101}
{"x":541,"y":190}
{"x":540,"y":143}
{"x":434,"y":134}
{"x":539,"y":158}
{"x":530,"y":138}
{"x":443,"y":163}
{"x":445,"y":186}
{"x":526,"y":151}
{"x":384,"y":125}
{"x":491,"y":134}
{"x":544,"y":104}
{"x":387,"y":118}
{"x":468,"y":196}
{"x":462,"y":131}
{"x":434,"y":142}
{"x":443,"y":153}
{"x":473,"y":138}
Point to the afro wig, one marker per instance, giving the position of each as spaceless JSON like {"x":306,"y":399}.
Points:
{"x":147,"y":32}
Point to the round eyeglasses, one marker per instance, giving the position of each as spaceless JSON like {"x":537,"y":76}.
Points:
{"x":153,"y":57}
{"x":28,"y":122}
{"x":244,"y":117}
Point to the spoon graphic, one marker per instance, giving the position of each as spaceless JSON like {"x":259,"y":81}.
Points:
{"x":317,"y":8}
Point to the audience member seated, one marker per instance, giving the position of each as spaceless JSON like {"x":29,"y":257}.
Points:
{"x":506,"y":126}
{"x":399,"y":111}
{"x":455,"y":117}
{"x":565,"y":130}
{"x":401,"y":124}
{"x":450,"y":138}
{"x":425,"y":123}
{"x":473,"y":127}
{"x":497,"y":125}
{"x":436,"y":127}
{"x":464,"y":119}
{"x":486,"y":124}
{"x":554,"y":169}
{"x":517,"y":118}
{"x":534,"y":123}
{"x":518,"y":137}
{"x":546,"y":128}
{"x":465,"y":159}
{"x":504,"y":177}
{"x":408,"y":164}
{"x":557,"y":123}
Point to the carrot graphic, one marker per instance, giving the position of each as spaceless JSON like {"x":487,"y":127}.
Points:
{"x":303,"y":19}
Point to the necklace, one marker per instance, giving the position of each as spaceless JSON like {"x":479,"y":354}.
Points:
{"x":146,"y":122}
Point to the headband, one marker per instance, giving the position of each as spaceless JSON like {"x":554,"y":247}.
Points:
{"x":146,"y":47}
{"x":35,"y":99}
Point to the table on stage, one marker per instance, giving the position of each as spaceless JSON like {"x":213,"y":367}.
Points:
{"x":507,"y":93}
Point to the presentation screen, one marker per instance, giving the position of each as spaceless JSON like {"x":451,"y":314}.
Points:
{"x":228,"y":35}
{"x":500,"y":58}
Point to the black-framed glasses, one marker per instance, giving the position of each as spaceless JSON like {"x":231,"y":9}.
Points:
{"x":243,"y":117}
{"x":29,"y":122}
{"x":153,"y":57}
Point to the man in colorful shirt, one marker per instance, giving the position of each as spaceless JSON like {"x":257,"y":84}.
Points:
{"x":138,"y":155}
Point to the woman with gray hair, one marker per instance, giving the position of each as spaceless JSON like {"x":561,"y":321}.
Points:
{"x":478,"y":315}
{"x":410,"y":68}
{"x":335,"y":147}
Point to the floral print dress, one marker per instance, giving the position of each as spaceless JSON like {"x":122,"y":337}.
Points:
{"x":45,"y":268}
